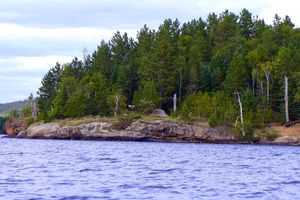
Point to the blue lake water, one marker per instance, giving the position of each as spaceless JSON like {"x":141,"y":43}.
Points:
{"x":55,"y":169}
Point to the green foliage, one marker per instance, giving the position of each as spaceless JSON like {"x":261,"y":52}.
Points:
{"x":116,"y":101}
{"x":146,"y":99}
{"x":2,"y":122}
{"x":238,"y":74}
{"x":263,"y":116}
{"x":204,"y":62}
{"x":184,"y":111}
{"x":212,"y":120}
{"x":59,"y":103}
{"x":47,"y":92}
{"x":29,"y":120}
{"x":224,"y":108}
{"x":26,"y":111}
{"x":197,"y":105}
{"x":12,"y":114}
{"x":248,"y":134}
{"x":74,"y":105}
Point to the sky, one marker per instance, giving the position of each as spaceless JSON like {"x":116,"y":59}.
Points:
{"x":35,"y":34}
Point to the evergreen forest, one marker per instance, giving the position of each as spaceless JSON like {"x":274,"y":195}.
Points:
{"x":209,"y":64}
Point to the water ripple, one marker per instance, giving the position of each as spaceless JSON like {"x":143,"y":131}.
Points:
{"x":290,"y":182}
{"x":54,"y":169}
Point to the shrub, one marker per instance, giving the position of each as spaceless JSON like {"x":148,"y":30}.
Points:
{"x":268,"y":134}
{"x":198,"y":105}
{"x":184,"y":111}
{"x":146,"y":98}
{"x":29,"y":121}
{"x":212,"y":120}
{"x":249,"y":133}
{"x":26,"y":111}
{"x":13,"y":114}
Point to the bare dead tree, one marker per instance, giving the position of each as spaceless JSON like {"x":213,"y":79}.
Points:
{"x":286,"y":99}
{"x":175,"y":102}
{"x":84,"y":54}
{"x":34,"y":109}
{"x":117,"y":100}
{"x":241,"y":113}
{"x":267,"y":75}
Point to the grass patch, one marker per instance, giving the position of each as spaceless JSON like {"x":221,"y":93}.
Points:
{"x":268,"y":134}
{"x":83,"y":120}
{"x":194,"y":120}
{"x":151,"y":118}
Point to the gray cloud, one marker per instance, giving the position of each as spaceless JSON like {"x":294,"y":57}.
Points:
{"x":37,"y":33}
{"x":111,"y":14}
{"x":77,"y":13}
{"x":16,"y":40}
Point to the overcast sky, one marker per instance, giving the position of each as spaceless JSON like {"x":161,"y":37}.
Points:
{"x":35,"y":34}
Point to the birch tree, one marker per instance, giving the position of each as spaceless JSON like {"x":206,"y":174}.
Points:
{"x":116,"y":101}
{"x":267,"y":70}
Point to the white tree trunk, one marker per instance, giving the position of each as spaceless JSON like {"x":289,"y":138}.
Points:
{"x":117,"y":98}
{"x":267,"y":74}
{"x":175,"y":102}
{"x":286,"y":99}
{"x":262,"y":88}
{"x":241,"y":113}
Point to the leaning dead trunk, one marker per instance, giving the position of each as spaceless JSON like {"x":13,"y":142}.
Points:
{"x":286,"y":99}
{"x":241,"y":113}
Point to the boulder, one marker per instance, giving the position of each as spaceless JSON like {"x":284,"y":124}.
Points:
{"x":14,"y":126}
{"x":159,"y":113}
{"x":42,"y":130}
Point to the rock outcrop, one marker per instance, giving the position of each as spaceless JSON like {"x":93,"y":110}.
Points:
{"x":134,"y":130}
{"x":14,"y":126}
{"x":158,"y":130}
{"x":159,"y":113}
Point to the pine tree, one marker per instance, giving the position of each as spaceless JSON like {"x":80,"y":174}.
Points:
{"x":48,"y":91}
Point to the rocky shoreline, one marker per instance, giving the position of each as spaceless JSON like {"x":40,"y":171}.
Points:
{"x":158,"y":130}
{"x":132,"y":130}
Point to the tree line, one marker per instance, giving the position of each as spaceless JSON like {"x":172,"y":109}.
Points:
{"x":205,"y":62}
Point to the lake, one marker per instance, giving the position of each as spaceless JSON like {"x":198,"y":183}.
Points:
{"x":57,"y":169}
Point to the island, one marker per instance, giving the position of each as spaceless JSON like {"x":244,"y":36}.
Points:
{"x":230,"y":78}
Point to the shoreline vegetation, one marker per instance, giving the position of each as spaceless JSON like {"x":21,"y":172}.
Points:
{"x":230,"y":74}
